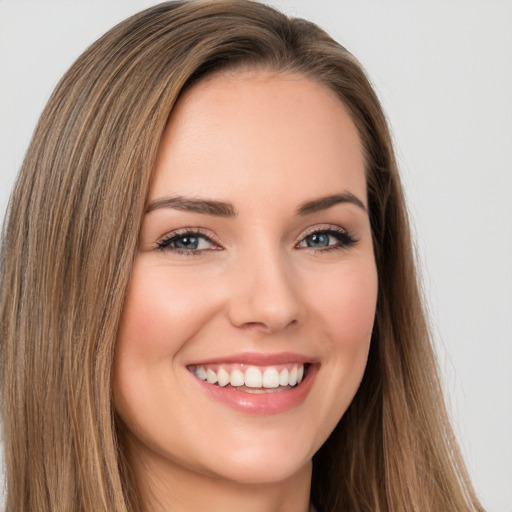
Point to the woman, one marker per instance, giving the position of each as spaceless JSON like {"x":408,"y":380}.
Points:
{"x":208,"y":289}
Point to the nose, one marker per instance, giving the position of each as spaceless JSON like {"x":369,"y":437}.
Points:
{"x":265,"y":294}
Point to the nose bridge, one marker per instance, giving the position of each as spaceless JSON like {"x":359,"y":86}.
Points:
{"x":265,"y":291}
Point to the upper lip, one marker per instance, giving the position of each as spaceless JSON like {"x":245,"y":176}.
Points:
{"x":258,"y":359}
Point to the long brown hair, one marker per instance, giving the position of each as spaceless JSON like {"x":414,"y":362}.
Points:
{"x":71,"y":236}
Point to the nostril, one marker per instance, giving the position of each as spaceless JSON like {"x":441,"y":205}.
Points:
{"x":255,"y":326}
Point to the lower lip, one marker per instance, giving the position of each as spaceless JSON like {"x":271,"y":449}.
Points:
{"x":262,"y":403}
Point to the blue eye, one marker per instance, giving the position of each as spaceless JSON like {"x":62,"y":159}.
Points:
{"x":186,"y":242}
{"x":318,"y":240}
{"x":324,"y":239}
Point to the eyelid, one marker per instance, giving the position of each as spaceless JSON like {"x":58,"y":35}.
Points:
{"x":345,"y":240}
{"x":334,"y":229}
{"x":321,"y":227}
{"x":177,"y":233}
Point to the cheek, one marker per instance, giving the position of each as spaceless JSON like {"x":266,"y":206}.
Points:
{"x":342,"y":300}
{"x":345,"y":310}
{"x":162,"y":311}
{"x":346,"y":302}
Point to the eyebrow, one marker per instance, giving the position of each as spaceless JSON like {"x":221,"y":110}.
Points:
{"x":190,"y":204}
{"x":223,"y":209}
{"x":323,"y":203}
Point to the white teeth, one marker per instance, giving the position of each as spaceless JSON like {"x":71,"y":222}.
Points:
{"x":253,"y":377}
{"x":292,"y":378}
{"x":237,"y":378}
{"x":211,"y":376}
{"x":271,"y":378}
{"x":201,"y":373}
{"x":223,"y":377}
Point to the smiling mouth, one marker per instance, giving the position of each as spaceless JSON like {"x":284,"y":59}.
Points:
{"x":252,"y":378}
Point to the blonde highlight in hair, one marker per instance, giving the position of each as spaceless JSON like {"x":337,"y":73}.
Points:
{"x":71,"y":236}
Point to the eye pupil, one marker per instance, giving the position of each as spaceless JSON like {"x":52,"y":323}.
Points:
{"x":187,"y":242}
{"x":318,"y":240}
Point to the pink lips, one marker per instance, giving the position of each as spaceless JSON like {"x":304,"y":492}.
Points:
{"x":260,"y":403}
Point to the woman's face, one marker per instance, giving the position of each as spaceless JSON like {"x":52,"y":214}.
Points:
{"x":255,"y":268}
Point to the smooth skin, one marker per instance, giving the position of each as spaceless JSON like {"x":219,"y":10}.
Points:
{"x":266,"y":280}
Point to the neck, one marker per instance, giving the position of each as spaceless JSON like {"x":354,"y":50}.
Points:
{"x":163,"y":486}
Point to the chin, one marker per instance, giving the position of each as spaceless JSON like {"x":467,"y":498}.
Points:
{"x":268,"y":458}
{"x":259,"y":470}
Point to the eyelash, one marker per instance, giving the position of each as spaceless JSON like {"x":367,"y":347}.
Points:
{"x":165,"y":243}
{"x":345,"y":240}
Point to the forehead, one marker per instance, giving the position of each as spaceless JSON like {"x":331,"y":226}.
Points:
{"x":257,"y":130}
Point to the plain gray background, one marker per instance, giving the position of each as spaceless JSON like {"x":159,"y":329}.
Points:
{"x":443,"y":70}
